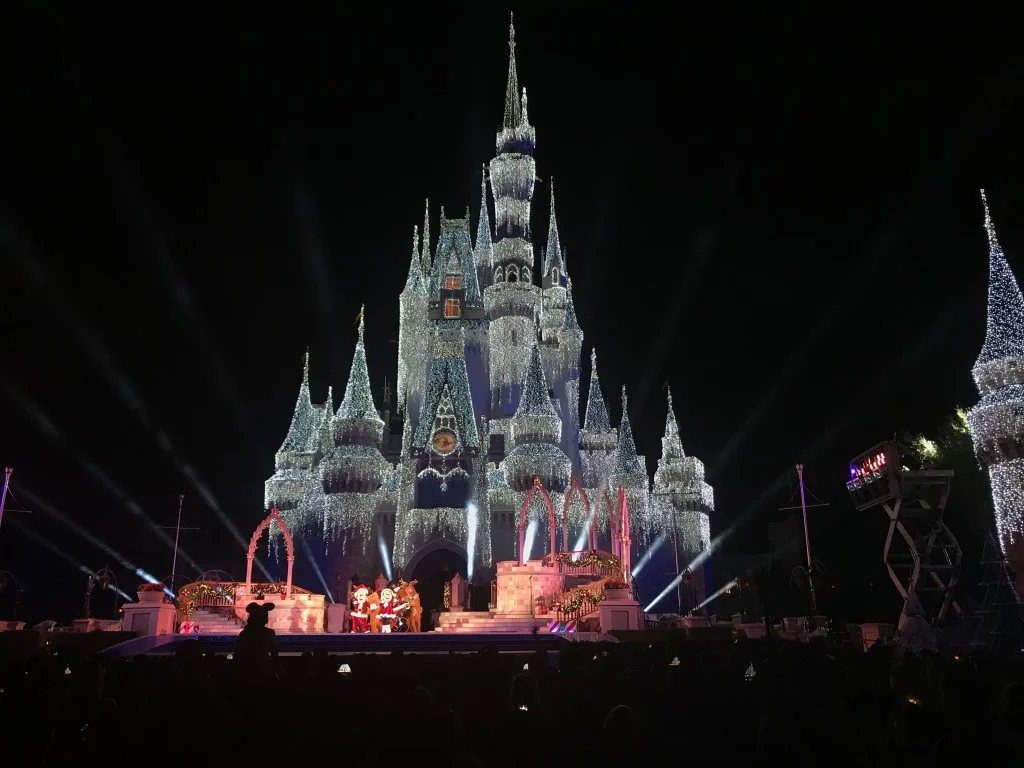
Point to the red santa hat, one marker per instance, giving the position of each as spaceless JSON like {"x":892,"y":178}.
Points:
{"x":357,"y":587}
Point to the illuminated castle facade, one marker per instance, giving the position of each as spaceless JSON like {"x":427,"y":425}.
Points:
{"x":997,"y":421}
{"x":488,"y":398}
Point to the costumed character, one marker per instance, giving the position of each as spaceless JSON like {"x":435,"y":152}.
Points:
{"x":389,"y":608}
{"x":373,"y":612}
{"x":360,"y":609}
{"x":407,"y":594}
{"x":256,"y":646}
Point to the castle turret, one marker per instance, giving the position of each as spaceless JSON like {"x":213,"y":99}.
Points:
{"x":630,"y":473}
{"x":355,"y":465}
{"x":413,"y":334}
{"x":483,"y":249}
{"x":681,"y":497}
{"x":511,"y":299}
{"x":570,"y":344}
{"x":597,"y":438}
{"x":536,"y":433}
{"x":426,"y":263}
{"x":293,"y":464}
{"x":997,"y":422}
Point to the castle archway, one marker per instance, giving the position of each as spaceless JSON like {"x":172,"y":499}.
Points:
{"x":432,"y":565}
{"x":273,"y":517}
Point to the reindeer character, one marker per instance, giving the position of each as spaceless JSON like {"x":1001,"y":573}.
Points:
{"x":407,"y":594}
{"x":373,"y":603}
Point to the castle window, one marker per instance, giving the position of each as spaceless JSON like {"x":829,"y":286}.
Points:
{"x":512,"y":273}
{"x":452,"y":283}
{"x":451,"y":307}
{"x":526,"y":274}
{"x":499,"y":275}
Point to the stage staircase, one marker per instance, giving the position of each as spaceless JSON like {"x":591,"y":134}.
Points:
{"x":576,"y":578}
{"x":217,"y":620}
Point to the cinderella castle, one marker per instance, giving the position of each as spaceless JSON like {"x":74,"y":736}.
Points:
{"x":487,"y":404}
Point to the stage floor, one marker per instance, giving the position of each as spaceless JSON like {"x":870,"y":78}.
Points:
{"x":349,"y":644}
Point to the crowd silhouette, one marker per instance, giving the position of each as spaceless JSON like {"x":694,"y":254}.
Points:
{"x":762,"y":702}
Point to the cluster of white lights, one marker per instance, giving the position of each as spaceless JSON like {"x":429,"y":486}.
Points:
{"x":332,"y":478}
{"x":995,"y":422}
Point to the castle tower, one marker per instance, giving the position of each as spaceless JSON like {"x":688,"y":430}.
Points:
{"x":553,"y":293}
{"x":413,"y":335}
{"x":630,"y":473}
{"x":355,"y":468}
{"x":293,"y":464}
{"x":536,"y":433}
{"x":996,"y":424}
{"x":455,"y":304}
{"x":681,"y":497}
{"x":511,"y":299}
{"x":570,"y":344}
{"x":483,"y":250}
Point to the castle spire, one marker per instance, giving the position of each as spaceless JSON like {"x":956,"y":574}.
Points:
{"x":554,"y":267}
{"x":414,"y":282}
{"x":425,"y":261}
{"x":570,"y":323}
{"x":596,"y":418}
{"x":358,"y":401}
{"x":535,"y":400}
{"x":302,"y":431}
{"x":626,"y":463}
{"x":513,"y":106}
{"x":671,"y":444}
{"x":1004,"y":334}
{"x":483,"y":227}
{"x":326,"y":431}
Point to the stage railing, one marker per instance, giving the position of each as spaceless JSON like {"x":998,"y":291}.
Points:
{"x":203,"y":594}
{"x":584,"y":562}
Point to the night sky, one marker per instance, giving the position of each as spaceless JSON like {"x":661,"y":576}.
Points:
{"x":776,"y":214}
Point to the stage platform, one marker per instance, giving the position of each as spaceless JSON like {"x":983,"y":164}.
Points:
{"x":349,"y":644}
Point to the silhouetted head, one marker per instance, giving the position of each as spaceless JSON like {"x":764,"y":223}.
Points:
{"x":258,"y":614}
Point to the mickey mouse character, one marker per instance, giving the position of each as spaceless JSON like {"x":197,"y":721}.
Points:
{"x":360,"y":609}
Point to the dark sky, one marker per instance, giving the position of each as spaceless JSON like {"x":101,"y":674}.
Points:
{"x":776,"y":213}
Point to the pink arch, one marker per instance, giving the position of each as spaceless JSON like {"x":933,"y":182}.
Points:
{"x":575,"y":487}
{"x":522,"y":516}
{"x":289,"y":545}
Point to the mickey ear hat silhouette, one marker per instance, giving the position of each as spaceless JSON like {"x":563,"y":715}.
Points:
{"x":257,"y":608}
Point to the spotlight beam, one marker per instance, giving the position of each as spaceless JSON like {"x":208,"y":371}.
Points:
{"x":27,"y":261}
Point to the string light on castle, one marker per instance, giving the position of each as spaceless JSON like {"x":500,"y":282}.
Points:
{"x":997,"y":421}
{"x":487,"y":398}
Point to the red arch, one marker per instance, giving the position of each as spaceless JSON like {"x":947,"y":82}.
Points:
{"x":522,"y":514}
{"x":289,"y":545}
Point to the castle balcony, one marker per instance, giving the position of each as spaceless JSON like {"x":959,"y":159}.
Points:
{"x":998,"y":416}
{"x":1004,"y":372}
{"x":294,"y":460}
{"x":521,"y":140}
{"x":543,"y":460}
{"x":512,"y":176}
{"x":536,"y":429}
{"x":286,"y":488}
{"x":599,"y":440}
{"x":353,"y":469}
{"x":368,"y":432}
{"x":511,"y":299}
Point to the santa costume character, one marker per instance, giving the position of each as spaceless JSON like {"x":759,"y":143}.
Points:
{"x":389,"y":608}
{"x":360,"y":608}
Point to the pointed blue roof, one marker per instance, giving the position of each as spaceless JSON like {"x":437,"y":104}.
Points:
{"x":553,"y":249}
{"x":358,"y":400}
{"x":627,"y":461}
{"x":448,"y":368}
{"x":454,"y":243}
{"x":1004,"y":334}
{"x":303,"y":433}
{"x":414,"y":282}
{"x":570,"y":323}
{"x":535,"y":400}
{"x":484,"y":241}
{"x":596,"y":418}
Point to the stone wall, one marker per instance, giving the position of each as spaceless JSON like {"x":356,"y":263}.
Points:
{"x":519,"y":586}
